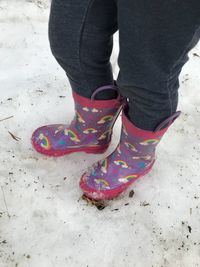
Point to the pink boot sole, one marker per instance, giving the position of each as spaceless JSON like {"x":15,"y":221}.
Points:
{"x":59,"y":153}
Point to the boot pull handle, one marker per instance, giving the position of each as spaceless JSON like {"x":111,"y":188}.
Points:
{"x":166,"y":123}
{"x":106,"y":87}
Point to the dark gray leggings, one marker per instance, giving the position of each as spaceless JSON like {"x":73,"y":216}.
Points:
{"x":154,"y":37}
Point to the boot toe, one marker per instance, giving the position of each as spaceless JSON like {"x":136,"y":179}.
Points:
{"x":100,"y":186}
{"x":41,"y":140}
{"x":100,"y":194}
{"x":92,"y":192}
{"x":105,"y":183}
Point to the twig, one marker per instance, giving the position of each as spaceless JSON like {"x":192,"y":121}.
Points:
{"x":6,"y":118}
{"x":14,"y":137}
{"x":5,"y":202}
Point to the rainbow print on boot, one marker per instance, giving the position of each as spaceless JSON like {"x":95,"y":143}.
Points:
{"x":90,"y":131}
{"x":134,"y":157}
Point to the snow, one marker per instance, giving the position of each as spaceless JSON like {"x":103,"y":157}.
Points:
{"x":43,"y":220}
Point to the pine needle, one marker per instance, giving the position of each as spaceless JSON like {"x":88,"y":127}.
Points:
{"x":6,"y":118}
{"x":4,"y":199}
{"x":14,"y":137}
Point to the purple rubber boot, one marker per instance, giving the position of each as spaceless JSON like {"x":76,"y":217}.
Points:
{"x":133,"y":158}
{"x":90,"y":131}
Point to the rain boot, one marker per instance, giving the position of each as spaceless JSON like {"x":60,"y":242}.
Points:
{"x":134,"y":157}
{"x":90,"y":131}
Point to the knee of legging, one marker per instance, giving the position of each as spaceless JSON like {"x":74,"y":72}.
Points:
{"x":68,"y":63}
{"x":64,"y":46}
{"x":62,"y":51}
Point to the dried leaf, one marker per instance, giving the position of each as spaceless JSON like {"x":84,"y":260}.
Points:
{"x":131,"y":194}
{"x":100,"y":205}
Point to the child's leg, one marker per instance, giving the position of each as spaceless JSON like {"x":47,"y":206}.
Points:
{"x":81,"y":38}
{"x":155,"y":37}
{"x":80,"y":33}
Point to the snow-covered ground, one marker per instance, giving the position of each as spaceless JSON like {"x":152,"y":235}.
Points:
{"x":43,"y":221}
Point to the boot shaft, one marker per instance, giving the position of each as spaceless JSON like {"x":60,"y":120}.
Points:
{"x":137,"y":147}
{"x":94,"y":119}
